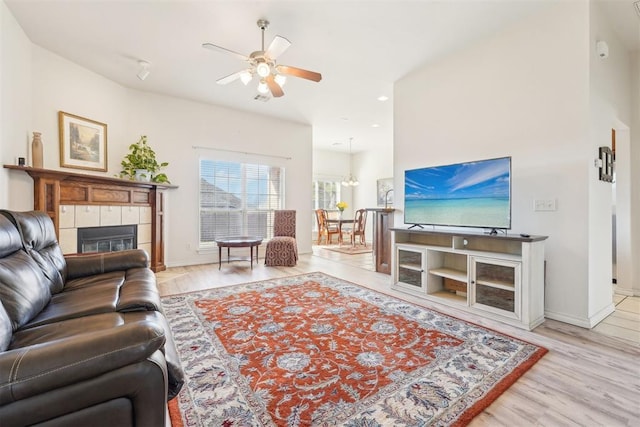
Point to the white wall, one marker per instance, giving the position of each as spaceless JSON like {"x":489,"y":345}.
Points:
{"x":635,"y":173}
{"x":15,"y":105}
{"x":370,"y":166}
{"x":522,"y":93}
{"x":610,"y":104}
{"x":173,"y":127}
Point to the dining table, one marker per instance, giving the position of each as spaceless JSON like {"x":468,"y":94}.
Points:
{"x":340,"y":221}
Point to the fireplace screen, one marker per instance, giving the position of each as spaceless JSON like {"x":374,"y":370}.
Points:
{"x":107,"y":239}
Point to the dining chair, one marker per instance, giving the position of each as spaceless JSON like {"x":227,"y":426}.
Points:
{"x":358,"y":228}
{"x":325,"y":229}
{"x":282,"y":248}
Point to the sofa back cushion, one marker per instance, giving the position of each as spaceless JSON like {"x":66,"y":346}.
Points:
{"x":39,"y":240}
{"x":24,"y":291}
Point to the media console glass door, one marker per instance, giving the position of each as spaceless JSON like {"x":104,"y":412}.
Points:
{"x":411,"y":267}
{"x":496,"y":286}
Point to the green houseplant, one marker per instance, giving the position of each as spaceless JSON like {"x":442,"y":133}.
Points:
{"x":141,"y":164}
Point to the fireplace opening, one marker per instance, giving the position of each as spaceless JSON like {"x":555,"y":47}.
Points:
{"x":107,"y":239}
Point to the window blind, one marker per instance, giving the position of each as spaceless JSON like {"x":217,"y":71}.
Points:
{"x":238,"y":199}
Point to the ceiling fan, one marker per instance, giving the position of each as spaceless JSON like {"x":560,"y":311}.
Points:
{"x":263,"y":64}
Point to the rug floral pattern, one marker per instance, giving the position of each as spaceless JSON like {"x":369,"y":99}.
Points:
{"x":316,"y":350}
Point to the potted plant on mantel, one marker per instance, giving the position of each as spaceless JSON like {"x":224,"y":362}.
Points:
{"x":141,"y":164}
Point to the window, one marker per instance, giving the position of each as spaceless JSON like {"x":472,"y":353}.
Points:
{"x":238,"y":199}
{"x":326,"y":194}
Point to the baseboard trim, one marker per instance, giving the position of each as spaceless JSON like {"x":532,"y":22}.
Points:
{"x":627,"y":292}
{"x":582,"y":322}
{"x":576,"y":321}
{"x":602,"y":314}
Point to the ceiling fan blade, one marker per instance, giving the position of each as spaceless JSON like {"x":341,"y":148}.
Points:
{"x":274,"y":87}
{"x":230,"y":78}
{"x":277,"y":47}
{"x":299,"y":72}
{"x":212,"y":46}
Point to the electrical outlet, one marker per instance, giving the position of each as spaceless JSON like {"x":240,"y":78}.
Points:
{"x":544,"y":205}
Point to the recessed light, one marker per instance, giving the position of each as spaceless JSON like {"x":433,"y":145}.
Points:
{"x":383,"y":98}
{"x":375,"y":125}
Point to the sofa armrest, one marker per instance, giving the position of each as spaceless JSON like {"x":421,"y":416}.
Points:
{"x":37,"y":369}
{"x":91,"y":264}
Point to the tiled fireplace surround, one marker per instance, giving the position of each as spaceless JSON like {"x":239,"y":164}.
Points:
{"x":72,"y":217}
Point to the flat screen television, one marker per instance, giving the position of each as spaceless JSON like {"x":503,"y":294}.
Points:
{"x":470,"y":194}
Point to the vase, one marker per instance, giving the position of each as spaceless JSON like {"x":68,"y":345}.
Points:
{"x":340,"y":213}
{"x":143,"y":175}
{"x":36,"y":151}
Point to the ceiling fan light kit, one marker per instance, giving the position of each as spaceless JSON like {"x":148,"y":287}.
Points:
{"x":280,"y":79}
{"x":263,"y":63}
{"x":246,"y":77}
{"x":263,"y":69}
{"x":263,"y":88}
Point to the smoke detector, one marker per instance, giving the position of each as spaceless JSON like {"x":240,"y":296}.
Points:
{"x":602,"y":49}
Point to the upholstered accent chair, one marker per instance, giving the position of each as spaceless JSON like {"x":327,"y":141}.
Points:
{"x":325,"y":230}
{"x":359,"y":225}
{"x":282,"y":249}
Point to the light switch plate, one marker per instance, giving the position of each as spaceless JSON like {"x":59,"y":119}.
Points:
{"x":544,"y":205}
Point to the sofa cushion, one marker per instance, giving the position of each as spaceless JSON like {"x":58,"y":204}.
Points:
{"x":24,"y":291}
{"x":133,"y":290}
{"x":39,"y":239}
{"x":80,"y":303}
{"x":10,"y":240}
{"x":137,"y":288}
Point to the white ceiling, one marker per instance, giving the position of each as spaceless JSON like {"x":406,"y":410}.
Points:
{"x":360,"y":47}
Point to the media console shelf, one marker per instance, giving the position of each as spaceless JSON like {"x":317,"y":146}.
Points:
{"x":497,"y":276}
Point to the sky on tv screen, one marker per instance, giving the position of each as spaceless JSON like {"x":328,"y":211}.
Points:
{"x":487,"y":178}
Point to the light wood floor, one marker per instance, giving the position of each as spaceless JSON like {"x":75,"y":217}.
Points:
{"x":586,"y":379}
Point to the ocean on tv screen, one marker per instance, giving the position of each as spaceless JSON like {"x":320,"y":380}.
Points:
{"x":480,"y":212}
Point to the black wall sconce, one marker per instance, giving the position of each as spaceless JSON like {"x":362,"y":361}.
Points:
{"x":605,"y":164}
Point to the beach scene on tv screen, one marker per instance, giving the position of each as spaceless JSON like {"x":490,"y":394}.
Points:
{"x":472,"y":194}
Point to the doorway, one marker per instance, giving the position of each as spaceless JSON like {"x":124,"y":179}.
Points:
{"x":621,"y":211}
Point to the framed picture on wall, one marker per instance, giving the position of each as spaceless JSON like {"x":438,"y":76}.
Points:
{"x":83,"y":143}
{"x":385,"y":195}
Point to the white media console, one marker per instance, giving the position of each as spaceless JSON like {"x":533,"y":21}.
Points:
{"x":497,"y":276}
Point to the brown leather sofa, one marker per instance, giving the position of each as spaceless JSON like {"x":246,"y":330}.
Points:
{"x":83,"y":340}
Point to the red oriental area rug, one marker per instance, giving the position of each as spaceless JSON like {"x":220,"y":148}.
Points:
{"x":316,"y":350}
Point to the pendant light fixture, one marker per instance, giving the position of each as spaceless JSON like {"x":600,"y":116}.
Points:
{"x":352,"y":181}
